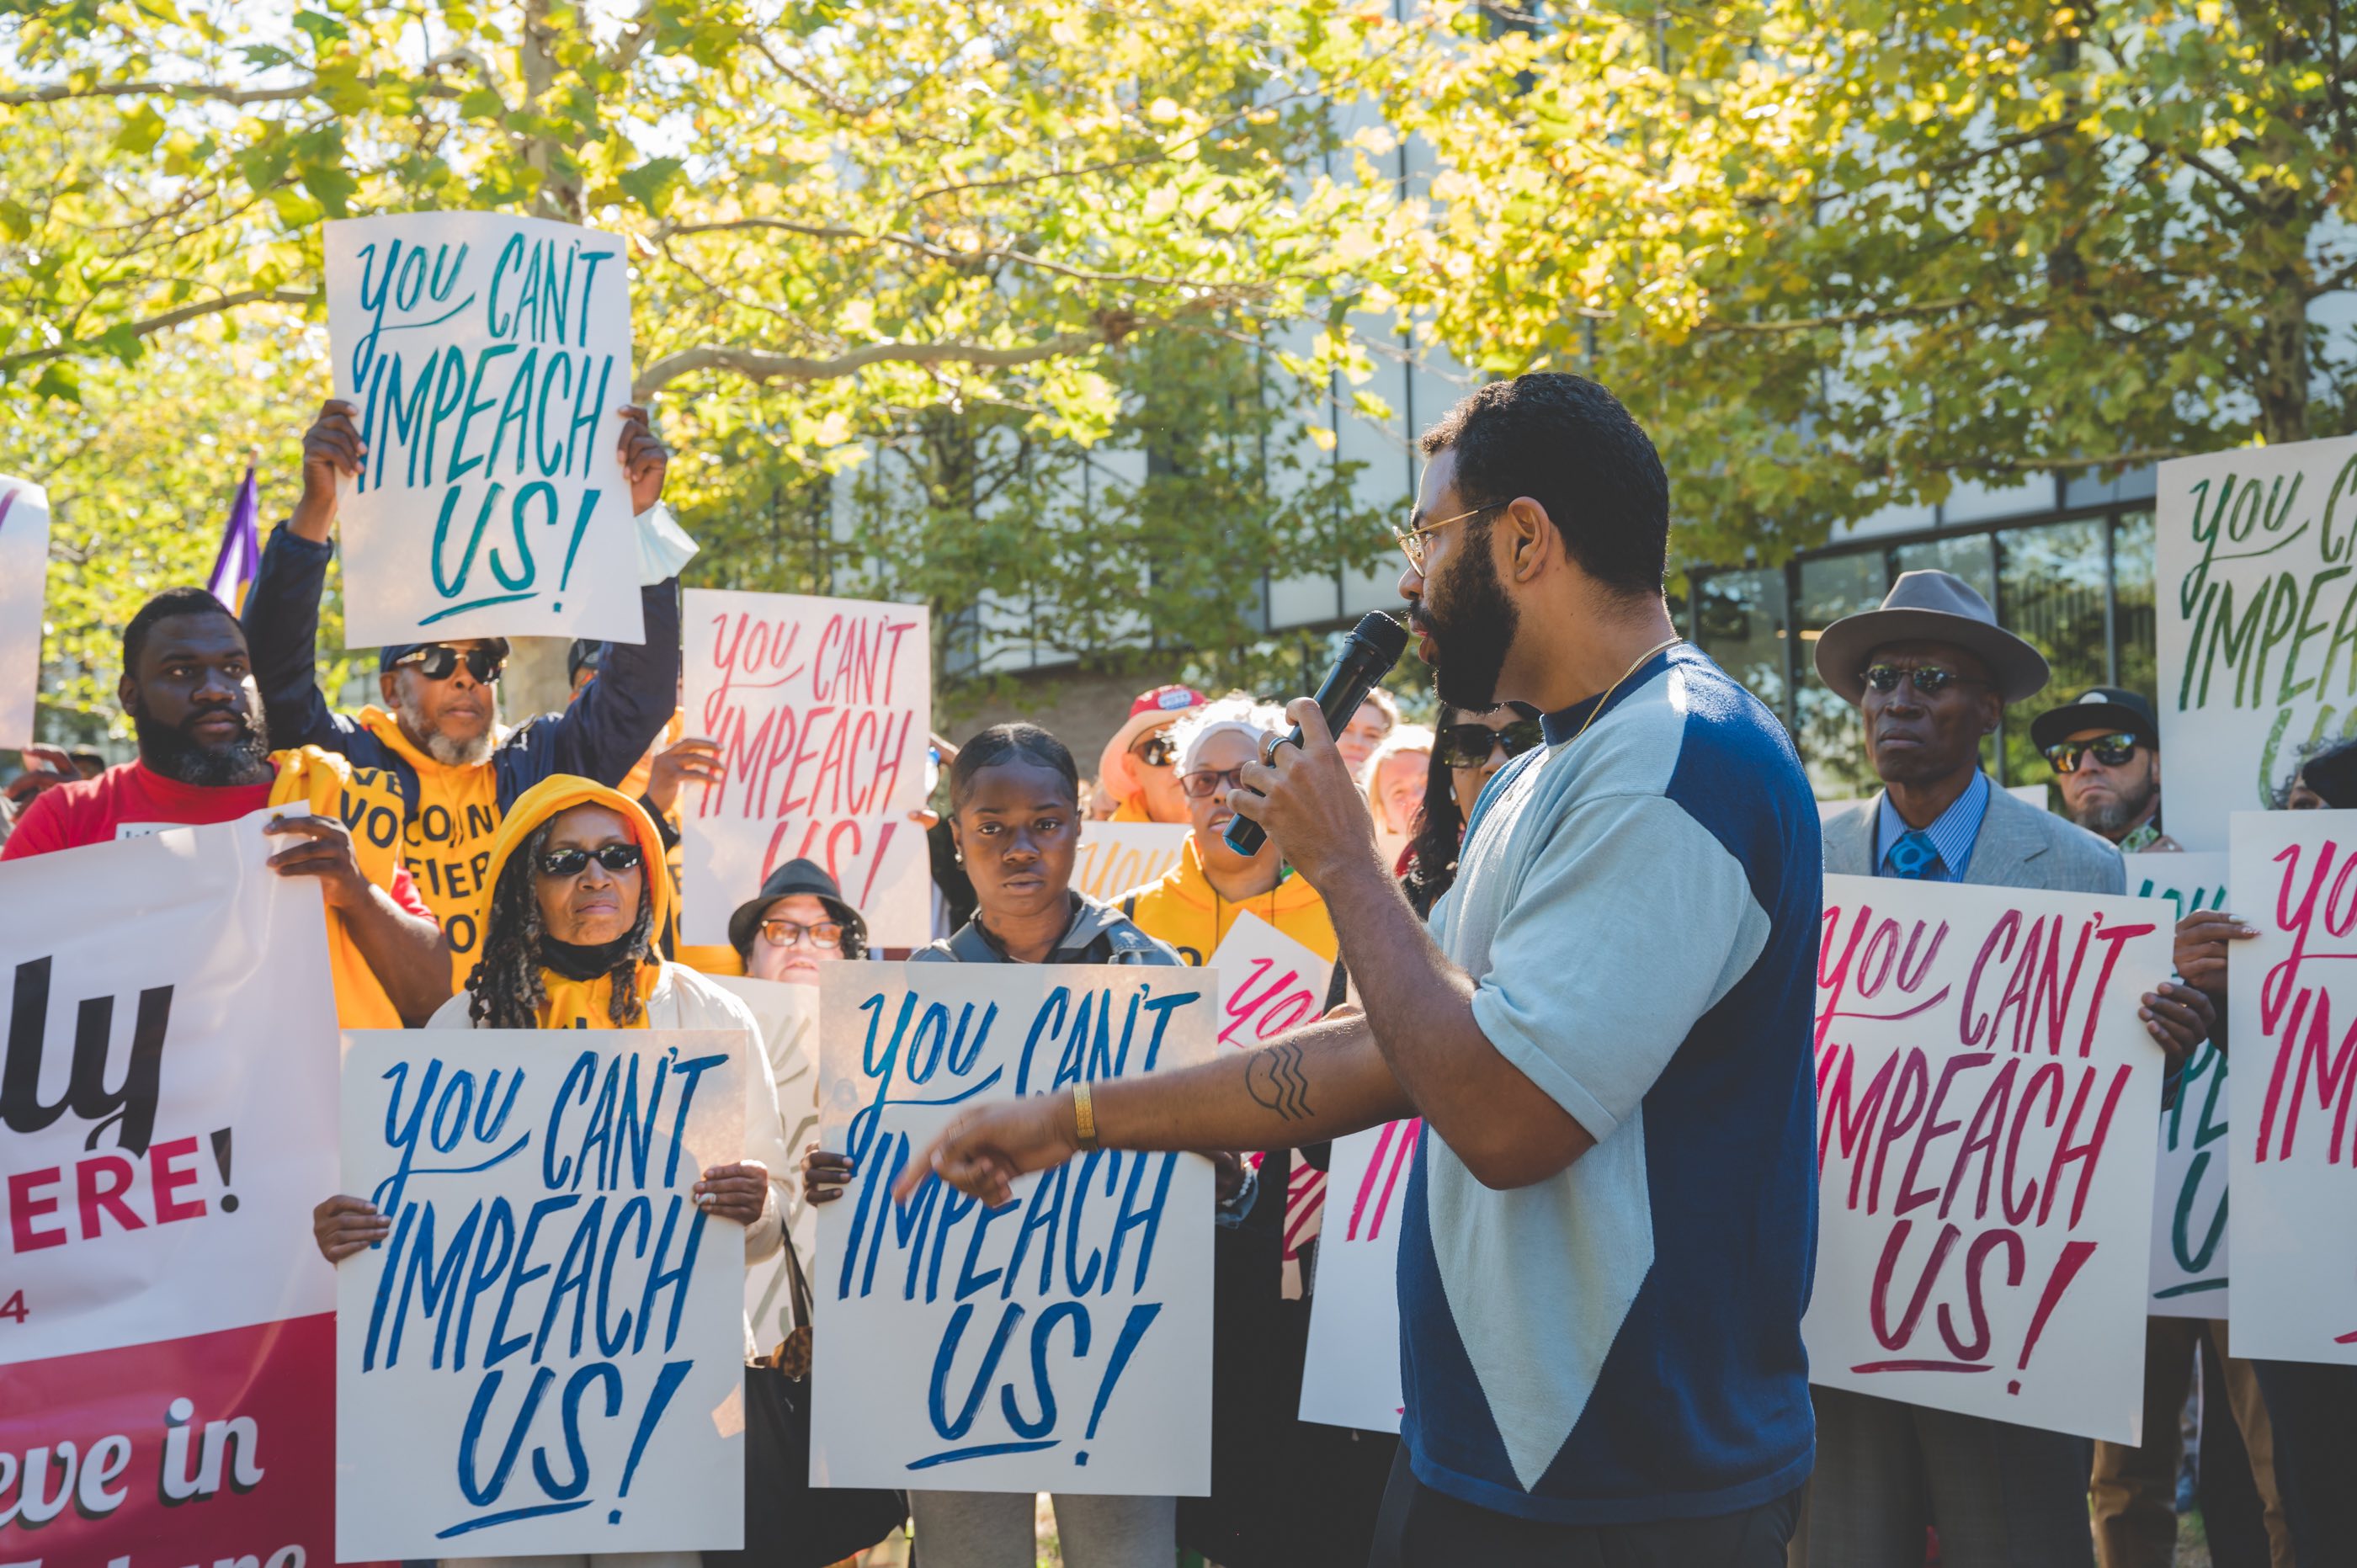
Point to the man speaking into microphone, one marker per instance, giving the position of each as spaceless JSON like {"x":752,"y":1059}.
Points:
{"x":1612,"y":1218}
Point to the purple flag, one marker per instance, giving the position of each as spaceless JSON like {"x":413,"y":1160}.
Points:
{"x":241,"y":550}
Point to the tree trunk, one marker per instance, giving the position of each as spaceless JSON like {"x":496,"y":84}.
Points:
{"x":560,"y":195}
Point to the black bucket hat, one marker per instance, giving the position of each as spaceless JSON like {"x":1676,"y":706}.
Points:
{"x":794,"y":877}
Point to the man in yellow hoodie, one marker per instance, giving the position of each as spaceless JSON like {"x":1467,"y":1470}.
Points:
{"x":1196,"y":900}
{"x":439,"y":733}
{"x":205,"y":757}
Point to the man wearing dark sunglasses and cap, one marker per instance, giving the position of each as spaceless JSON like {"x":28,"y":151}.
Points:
{"x":2104,"y":747}
{"x":438,"y":731}
{"x":1931,"y":674}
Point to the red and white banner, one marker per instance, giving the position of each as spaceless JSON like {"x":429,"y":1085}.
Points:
{"x":1986,"y":1126}
{"x":821,"y":708}
{"x":2294,"y":1170}
{"x":167,"y":1124}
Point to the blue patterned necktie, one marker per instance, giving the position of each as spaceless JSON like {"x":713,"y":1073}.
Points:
{"x":1914,"y":856}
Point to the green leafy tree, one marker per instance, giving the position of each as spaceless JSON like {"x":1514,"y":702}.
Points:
{"x":1838,"y":255}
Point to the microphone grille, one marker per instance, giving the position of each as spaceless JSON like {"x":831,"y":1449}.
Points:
{"x":1385,"y":634}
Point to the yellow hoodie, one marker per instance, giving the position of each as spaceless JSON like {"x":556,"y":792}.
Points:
{"x":446,"y":842}
{"x":1186,"y":911}
{"x":367,"y":800}
{"x":575,"y":1004}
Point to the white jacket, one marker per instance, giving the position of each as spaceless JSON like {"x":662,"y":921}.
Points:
{"x":683,"y":999}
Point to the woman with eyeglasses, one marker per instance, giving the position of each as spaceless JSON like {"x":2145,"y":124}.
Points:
{"x":1194,"y":904}
{"x":1015,"y":812}
{"x":577,"y":898}
{"x":795,"y":923}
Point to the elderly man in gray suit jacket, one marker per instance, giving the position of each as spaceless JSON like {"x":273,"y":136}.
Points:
{"x":1930,"y":672}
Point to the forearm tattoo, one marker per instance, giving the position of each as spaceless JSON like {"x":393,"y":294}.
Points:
{"x":1273,"y":1076}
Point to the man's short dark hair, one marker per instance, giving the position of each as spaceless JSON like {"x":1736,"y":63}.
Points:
{"x":164,"y":607}
{"x":1566,"y":443}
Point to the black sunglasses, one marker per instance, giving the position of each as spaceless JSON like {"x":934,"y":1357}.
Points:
{"x":1158,"y":750}
{"x":1929,"y":679}
{"x":2110,"y":750}
{"x":1468,"y":745}
{"x":574,"y":862}
{"x":439,"y":661}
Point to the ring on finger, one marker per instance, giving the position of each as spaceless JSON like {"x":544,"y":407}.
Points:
{"x":1268,"y":749}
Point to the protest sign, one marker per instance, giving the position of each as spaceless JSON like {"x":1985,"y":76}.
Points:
{"x":2188,"y":1200}
{"x":1270,"y":983}
{"x":789,"y":1018}
{"x":1121,"y":857}
{"x":2294,"y":1166}
{"x":166,"y":1122}
{"x":24,"y":574}
{"x":2257,"y":629}
{"x":1069,"y":1348}
{"x":546,"y":1354}
{"x":1985,"y":1144}
{"x":1351,"y":1376}
{"x":489,"y":356}
{"x":821,"y":708}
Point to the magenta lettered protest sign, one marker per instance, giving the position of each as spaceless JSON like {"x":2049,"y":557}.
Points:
{"x":822,"y":709}
{"x":2293,"y":1008}
{"x":1985,"y":1144}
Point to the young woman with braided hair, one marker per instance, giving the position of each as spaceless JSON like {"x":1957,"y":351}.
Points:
{"x":578,"y":895}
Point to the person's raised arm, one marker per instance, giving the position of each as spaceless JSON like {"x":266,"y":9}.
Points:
{"x":1312,"y":1084}
{"x":616,"y":716}
{"x":1509,"y":1131}
{"x":407,"y":952}
{"x":282,"y":607}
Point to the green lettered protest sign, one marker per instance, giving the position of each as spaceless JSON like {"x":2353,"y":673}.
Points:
{"x":2257,"y":606}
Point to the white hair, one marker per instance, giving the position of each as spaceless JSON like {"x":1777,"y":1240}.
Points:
{"x":1234,"y":712}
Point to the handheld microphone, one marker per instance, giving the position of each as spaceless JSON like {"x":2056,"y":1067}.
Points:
{"x":1375,"y":645}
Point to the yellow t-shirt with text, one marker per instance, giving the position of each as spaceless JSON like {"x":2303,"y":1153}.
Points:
{"x":446,"y":842}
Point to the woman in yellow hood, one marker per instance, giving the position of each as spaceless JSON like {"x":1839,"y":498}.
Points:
{"x":579,"y":896}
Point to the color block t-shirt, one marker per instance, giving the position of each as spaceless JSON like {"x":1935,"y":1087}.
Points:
{"x":1637,"y":907}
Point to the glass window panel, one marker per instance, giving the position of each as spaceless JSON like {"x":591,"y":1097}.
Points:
{"x":1741,"y":621}
{"x":2051,"y":588}
{"x":1832,"y":741}
{"x":1970,"y":558}
{"x":2131,"y":578}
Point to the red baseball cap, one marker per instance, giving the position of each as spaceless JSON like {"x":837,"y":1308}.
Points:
{"x":1151,"y":711}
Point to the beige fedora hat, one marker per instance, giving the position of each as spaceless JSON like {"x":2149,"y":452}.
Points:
{"x":1929,"y":606}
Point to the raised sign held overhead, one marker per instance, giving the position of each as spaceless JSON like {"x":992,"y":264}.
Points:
{"x":24,"y":571}
{"x":489,"y":356}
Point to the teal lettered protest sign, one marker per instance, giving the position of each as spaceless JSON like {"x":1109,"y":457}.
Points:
{"x":487,"y":355}
{"x":2256,"y":556}
{"x":1061,"y":1342}
{"x":2189,"y":1209}
{"x":546,"y":1354}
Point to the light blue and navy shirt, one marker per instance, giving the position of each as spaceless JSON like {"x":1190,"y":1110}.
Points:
{"x":1953,"y":833}
{"x":1638,"y":908}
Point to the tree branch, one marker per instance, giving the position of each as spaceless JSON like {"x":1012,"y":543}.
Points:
{"x":10,"y":363}
{"x":945,"y":254}
{"x":58,"y":92}
{"x":762,"y":365}
{"x":1846,"y":318}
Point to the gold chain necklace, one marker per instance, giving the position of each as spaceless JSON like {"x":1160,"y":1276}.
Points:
{"x":1598,"y":708}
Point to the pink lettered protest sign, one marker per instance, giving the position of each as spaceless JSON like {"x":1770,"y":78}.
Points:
{"x":1351,"y":1376}
{"x":822,"y":709}
{"x":1986,"y":1146}
{"x":2293,"y":1008}
{"x":1270,"y":983}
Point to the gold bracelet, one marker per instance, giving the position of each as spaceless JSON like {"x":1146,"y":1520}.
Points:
{"x":1084,"y":1118}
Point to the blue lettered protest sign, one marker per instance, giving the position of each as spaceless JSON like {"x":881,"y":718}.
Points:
{"x":546,"y":1354}
{"x":1061,"y":1342}
{"x":488,"y":355}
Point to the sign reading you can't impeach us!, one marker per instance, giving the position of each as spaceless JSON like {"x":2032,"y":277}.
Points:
{"x":1059,"y":1342}
{"x":1985,"y":1132}
{"x":487,"y":355}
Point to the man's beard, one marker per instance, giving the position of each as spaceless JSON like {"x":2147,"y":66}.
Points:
{"x":2112,"y":818}
{"x":441,"y":748}
{"x":172,"y":752}
{"x":1471,"y":622}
